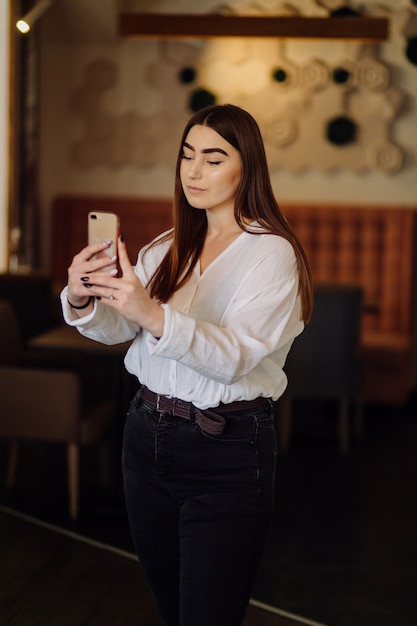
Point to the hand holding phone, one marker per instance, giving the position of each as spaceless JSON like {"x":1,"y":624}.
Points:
{"x":103,"y":226}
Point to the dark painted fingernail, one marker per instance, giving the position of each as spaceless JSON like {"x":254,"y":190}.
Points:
{"x":85,"y":279}
{"x":88,"y":285}
{"x":122,"y":237}
{"x":98,"y":297}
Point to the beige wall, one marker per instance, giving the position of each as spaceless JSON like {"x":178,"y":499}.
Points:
{"x":147,"y":103}
{"x":4,"y":134}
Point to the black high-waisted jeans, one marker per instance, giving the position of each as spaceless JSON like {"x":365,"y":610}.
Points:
{"x":199,"y":509}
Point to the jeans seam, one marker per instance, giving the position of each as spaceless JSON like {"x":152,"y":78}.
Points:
{"x":255,"y":442}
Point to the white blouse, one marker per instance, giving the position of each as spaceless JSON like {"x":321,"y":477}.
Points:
{"x":227,"y":332}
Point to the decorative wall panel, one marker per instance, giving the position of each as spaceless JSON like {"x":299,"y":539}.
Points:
{"x":325,"y":111}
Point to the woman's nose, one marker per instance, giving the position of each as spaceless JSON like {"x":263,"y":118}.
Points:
{"x":195,"y":169}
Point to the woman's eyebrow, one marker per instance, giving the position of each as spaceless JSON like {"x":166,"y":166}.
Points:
{"x":206,"y":150}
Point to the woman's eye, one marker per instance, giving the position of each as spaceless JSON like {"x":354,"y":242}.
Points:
{"x":186,"y":158}
{"x":214,"y":162}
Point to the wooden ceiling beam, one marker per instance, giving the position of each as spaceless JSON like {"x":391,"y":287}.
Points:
{"x":162,"y":25}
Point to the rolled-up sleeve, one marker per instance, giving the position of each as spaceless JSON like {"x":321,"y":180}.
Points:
{"x":103,"y":324}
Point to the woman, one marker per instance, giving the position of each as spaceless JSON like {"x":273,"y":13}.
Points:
{"x":213,"y":307}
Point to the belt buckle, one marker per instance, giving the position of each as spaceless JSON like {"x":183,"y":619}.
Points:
{"x":158,"y":399}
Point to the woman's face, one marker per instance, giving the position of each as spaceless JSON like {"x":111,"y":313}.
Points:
{"x":210,"y":171}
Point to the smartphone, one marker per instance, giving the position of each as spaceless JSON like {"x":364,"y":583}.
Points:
{"x":104,"y":226}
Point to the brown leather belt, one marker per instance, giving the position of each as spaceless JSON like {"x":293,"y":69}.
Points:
{"x":210,"y":420}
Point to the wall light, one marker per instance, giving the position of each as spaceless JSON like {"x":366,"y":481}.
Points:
{"x":27,"y":21}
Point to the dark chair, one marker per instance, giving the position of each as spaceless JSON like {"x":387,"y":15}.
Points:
{"x":35,"y":305}
{"x":324,"y":361}
{"x":44,"y":405}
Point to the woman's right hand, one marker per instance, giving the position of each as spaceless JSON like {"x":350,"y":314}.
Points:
{"x":82,"y":265}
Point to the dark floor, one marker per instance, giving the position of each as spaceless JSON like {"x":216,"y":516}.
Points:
{"x":51,"y":577}
{"x":343,"y":551}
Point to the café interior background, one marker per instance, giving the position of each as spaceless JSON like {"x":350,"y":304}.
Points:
{"x":111,"y":109}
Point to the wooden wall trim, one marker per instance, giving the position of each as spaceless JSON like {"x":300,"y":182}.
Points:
{"x":209,"y":25}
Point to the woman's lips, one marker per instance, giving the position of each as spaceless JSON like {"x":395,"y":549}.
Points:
{"x":194,"y":189}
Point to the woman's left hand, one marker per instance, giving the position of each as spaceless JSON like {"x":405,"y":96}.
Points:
{"x":127,"y":295}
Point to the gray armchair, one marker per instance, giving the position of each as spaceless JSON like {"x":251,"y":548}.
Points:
{"x":41,"y":404}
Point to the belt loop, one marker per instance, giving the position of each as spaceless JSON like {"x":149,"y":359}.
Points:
{"x":192,"y":412}
{"x":158,"y":398}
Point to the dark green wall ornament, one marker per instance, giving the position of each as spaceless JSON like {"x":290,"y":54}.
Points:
{"x":200,"y":99}
{"x":279,"y":75}
{"x":340,"y":75}
{"x":341,"y":131}
{"x":344,"y":11}
{"x":411,"y":50}
{"x":187,"y":75}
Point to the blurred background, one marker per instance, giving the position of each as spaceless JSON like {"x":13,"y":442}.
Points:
{"x":93,"y":100}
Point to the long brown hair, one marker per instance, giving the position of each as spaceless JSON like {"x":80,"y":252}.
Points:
{"x":255,"y":200}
